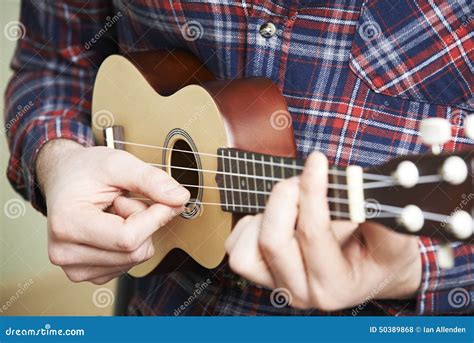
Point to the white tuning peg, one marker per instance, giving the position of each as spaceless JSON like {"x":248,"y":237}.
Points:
{"x":454,"y":170}
{"x":435,"y":132}
{"x":469,"y":126}
{"x":411,"y":217}
{"x":407,"y":174}
{"x":461,"y":224}
{"x":445,"y":256}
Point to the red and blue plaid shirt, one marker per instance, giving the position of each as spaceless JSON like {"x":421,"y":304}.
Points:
{"x":358,"y":77}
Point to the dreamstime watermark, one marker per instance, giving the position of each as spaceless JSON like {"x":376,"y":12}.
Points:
{"x":458,"y":117}
{"x":109,"y":22}
{"x":370,"y":30}
{"x":192,"y":30}
{"x":459,"y":297}
{"x":372,"y":295}
{"x":103,"y":297}
{"x":373,"y":115}
{"x":463,"y":28}
{"x":22,"y":288}
{"x":281,"y":120}
{"x":280,"y":297}
{"x":14,"y":208}
{"x":47,"y":330}
{"x":196,"y":115}
{"x":103,"y":119}
{"x":21,"y":111}
{"x":198,"y":290}
{"x":466,"y":199}
{"x":372,"y":208}
{"x":14,"y":30}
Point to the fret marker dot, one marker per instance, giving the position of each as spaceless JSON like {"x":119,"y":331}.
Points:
{"x":242,"y":182}
{"x":269,"y":186}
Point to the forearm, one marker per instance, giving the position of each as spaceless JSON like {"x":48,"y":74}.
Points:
{"x":50,"y":93}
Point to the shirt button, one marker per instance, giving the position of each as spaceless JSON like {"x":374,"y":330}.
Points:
{"x":268,"y":30}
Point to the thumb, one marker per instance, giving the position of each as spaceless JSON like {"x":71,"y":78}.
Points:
{"x":128,"y":172}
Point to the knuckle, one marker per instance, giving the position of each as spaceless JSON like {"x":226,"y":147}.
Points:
{"x":138,"y":256}
{"x":76,"y":275}
{"x":127,"y":242}
{"x":323,"y":301}
{"x":57,"y":226}
{"x":150,"y":252}
{"x":100,"y":282}
{"x":271,"y":246}
{"x":237,"y":264}
{"x":306,"y":232}
{"x":56,"y":257}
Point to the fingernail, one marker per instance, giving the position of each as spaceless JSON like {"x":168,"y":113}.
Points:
{"x":177,"y":211}
{"x":177,"y":190}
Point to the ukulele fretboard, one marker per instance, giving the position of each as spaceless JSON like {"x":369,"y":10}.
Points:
{"x":245,"y":180}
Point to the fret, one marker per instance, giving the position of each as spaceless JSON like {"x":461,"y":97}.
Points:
{"x":253,"y":175}
{"x":260,"y":170}
{"x":244,"y":184}
{"x":251,"y":170}
{"x":277,"y":170}
{"x":268,"y":172}
{"x":231,"y":177}
{"x":221,"y":180}
{"x":294,"y":171}
{"x":237,"y":179}
{"x":338,"y":209}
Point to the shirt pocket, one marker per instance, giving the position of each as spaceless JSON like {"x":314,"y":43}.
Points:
{"x":416,"y":50}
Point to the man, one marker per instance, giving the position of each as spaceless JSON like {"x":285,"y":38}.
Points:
{"x":358,"y":76}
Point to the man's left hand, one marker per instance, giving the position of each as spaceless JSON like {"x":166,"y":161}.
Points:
{"x":324,"y":264}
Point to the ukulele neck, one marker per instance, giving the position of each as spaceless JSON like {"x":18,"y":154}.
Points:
{"x":245,"y":180}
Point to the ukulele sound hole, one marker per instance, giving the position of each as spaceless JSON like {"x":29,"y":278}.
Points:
{"x":185,"y":169}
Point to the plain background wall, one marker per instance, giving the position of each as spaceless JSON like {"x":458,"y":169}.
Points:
{"x":29,"y":284}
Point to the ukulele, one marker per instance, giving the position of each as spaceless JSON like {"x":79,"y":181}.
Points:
{"x":228,"y":142}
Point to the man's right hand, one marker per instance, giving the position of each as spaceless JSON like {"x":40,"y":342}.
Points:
{"x":95,"y":233}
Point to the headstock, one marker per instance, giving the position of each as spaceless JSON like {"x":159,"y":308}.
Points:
{"x":428,"y":195}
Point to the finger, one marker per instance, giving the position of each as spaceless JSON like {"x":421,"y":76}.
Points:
{"x":104,"y":279}
{"x":387,"y":246}
{"x":236,"y":232}
{"x":67,"y":254}
{"x":245,"y":258}
{"x":318,"y":242}
{"x":127,"y":171}
{"x":343,"y":230}
{"x":87,"y":273}
{"x":115,"y":232}
{"x":125,"y":207}
{"x":277,"y":240}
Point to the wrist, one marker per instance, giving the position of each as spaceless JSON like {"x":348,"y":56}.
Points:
{"x":49,"y":158}
{"x":405,"y":281}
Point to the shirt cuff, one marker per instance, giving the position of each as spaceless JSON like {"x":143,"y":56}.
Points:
{"x":444,"y":291}
{"x":37,"y":137}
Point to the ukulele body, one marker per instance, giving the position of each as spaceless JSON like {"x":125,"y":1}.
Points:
{"x":171,"y":100}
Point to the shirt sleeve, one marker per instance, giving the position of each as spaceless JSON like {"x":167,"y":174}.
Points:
{"x":446,"y":291}
{"x":61,"y":45}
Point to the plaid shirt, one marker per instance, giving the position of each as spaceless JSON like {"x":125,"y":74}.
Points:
{"x":358,"y":77}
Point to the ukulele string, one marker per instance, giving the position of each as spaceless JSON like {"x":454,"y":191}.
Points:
{"x":247,"y":176}
{"x":376,"y":177}
{"x":368,"y":185}
{"x":383,"y":211}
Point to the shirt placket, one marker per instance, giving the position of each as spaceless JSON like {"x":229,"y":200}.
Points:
{"x":269,"y":25}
